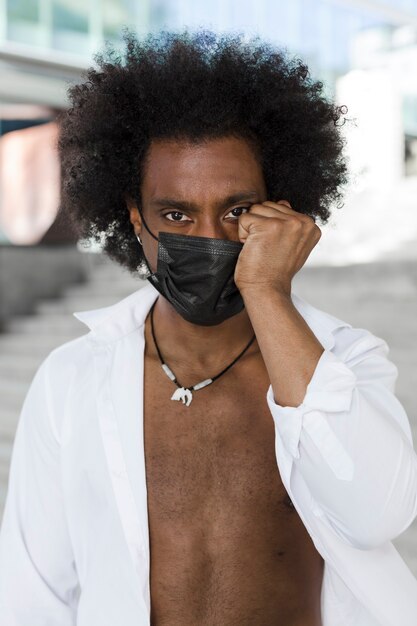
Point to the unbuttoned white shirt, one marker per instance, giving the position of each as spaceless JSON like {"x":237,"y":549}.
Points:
{"x":74,"y":543}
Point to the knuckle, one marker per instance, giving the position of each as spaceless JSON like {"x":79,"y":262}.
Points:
{"x":317,"y":231}
{"x":296,"y":222}
{"x":308,"y":219}
{"x":277,"y":225}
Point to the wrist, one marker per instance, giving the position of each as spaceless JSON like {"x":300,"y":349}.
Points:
{"x":261,"y":291}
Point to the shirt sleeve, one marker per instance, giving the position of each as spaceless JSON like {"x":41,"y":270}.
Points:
{"x":351,"y":440}
{"x":38,"y":579}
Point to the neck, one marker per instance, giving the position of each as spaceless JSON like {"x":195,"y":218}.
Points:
{"x":204,"y":347}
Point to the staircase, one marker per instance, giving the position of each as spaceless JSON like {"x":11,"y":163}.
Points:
{"x":381,"y":297}
{"x":30,"y":338}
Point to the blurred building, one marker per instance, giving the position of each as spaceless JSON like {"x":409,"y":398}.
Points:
{"x":379,"y":219}
{"x":46,"y":44}
{"x":392,"y":52}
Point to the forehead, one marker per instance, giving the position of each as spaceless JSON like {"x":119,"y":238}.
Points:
{"x":179,"y":168}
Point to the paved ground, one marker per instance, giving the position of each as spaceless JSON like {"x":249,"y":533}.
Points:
{"x":381,"y":297}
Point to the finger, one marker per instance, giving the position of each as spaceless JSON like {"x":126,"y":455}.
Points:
{"x":263,"y":210}
{"x":285,"y":207}
{"x":259,"y":212}
{"x":272,"y":209}
{"x":253,"y":220}
{"x":281,"y":205}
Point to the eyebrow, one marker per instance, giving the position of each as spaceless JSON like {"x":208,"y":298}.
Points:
{"x":245,"y":196}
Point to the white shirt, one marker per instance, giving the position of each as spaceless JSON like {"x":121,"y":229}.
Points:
{"x":74,"y":545}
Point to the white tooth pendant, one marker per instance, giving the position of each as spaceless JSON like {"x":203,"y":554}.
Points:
{"x":183,"y":394}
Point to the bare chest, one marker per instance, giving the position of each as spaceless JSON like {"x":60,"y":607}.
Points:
{"x":222,"y":526}
{"x":217,"y":453}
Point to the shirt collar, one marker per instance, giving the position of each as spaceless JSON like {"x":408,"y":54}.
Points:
{"x":116,"y":320}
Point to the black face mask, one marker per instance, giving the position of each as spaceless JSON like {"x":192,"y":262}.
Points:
{"x":195,"y":274}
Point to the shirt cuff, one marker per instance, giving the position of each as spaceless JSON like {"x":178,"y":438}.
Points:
{"x":329,"y":390}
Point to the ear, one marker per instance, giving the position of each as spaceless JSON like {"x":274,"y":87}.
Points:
{"x":135,"y":217}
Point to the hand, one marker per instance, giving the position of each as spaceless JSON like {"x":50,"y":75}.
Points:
{"x":277,"y":242}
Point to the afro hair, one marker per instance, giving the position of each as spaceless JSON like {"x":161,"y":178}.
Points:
{"x":193,"y":86}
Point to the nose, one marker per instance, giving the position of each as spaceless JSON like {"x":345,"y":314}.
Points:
{"x":210,"y":227}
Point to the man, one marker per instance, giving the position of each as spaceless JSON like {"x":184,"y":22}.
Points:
{"x":216,"y":450}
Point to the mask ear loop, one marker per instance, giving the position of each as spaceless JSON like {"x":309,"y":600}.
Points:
{"x":146,"y":226}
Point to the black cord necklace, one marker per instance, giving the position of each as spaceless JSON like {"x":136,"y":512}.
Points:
{"x":185,"y":393}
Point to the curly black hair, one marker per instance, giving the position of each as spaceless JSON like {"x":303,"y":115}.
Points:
{"x":193,"y":86}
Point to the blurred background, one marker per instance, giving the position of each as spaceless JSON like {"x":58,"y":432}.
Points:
{"x":363,"y":270}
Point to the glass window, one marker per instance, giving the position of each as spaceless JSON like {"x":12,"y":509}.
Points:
{"x":23,"y":21}
{"x":119,"y":13}
{"x":70,"y":16}
{"x":70,"y":26}
{"x":25,"y":10}
{"x":115,"y":15}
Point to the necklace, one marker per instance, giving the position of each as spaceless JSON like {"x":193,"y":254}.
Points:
{"x":185,"y":393}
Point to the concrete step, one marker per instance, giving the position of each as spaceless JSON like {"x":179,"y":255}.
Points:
{"x":110,"y":267}
{"x":54,"y":323}
{"x":71,"y":305}
{"x":121,"y":283}
{"x":8,"y":423}
{"x":18,"y":367}
{"x":362,"y":282}
{"x":119,"y":288}
{"x":4,"y":475}
{"x":12,"y":394}
{"x":36,"y":345}
{"x":114,"y":277}
{"x":3,"y":493}
{"x":5,"y":453}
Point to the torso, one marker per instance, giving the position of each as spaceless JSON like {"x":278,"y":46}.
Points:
{"x":227,"y":546}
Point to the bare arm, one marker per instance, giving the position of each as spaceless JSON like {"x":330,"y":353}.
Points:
{"x":289,"y":347}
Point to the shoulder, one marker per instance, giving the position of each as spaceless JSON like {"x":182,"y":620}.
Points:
{"x":66,"y":368}
{"x":48,"y":396}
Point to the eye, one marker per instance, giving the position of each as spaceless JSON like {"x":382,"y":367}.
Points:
{"x":240,"y":209}
{"x":176,"y":218}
